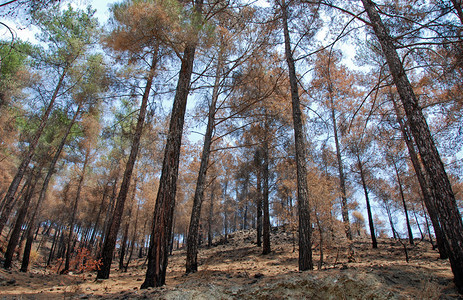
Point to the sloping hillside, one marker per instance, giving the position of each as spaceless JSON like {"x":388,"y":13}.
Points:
{"x":237,"y":270}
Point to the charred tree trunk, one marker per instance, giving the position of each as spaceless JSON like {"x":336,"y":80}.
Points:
{"x":447,"y":209}
{"x":367,"y":199}
{"x":109,"y":213}
{"x":445,"y":203}
{"x":305,"y":226}
{"x":9,"y":197}
{"x":320,"y":263}
{"x":342,"y":178}
{"x":73,"y":216}
{"x":225,"y":208}
{"x":27,"y":248}
{"x":389,"y":216}
{"x":15,"y":234}
{"x":125,"y":235}
{"x":113,"y":228}
{"x":428,"y":227}
{"x":265,"y":194}
{"x":399,"y":182}
{"x":418,"y":225}
{"x":165,"y":201}
{"x":210,"y":217}
{"x":53,"y":245}
{"x":258,"y":164}
{"x":192,"y":239}
{"x":97,"y":221}
{"x":423,"y":180}
{"x":134,"y":238}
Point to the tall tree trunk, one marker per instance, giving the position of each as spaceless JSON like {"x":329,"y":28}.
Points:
{"x":320,"y":230}
{"x":9,"y":197}
{"x":29,"y":234}
{"x":165,"y":201}
{"x":74,"y":213}
{"x":389,"y":216}
{"x":418,"y":225}
{"x":449,"y":215}
{"x":134,"y":238}
{"x":342,"y":178}
{"x":109,"y":213}
{"x":399,"y":182}
{"x":97,"y":221}
{"x":423,"y":180}
{"x":53,"y":245}
{"x":125,"y":235}
{"x":367,"y":199}
{"x":15,"y":233}
{"x":113,"y":228}
{"x":27,"y":247}
{"x":427,"y":226}
{"x":225,"y":208}
{"x":258,"y":166}
{"x":210,"y":217}
{"x":305,"y":226}
{"x":192,"y":239}
{"x":265,"y":193}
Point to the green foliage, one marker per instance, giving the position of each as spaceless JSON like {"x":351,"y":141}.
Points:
{"x":13,"y":68}
{"x":91,"y":79}
{"x":13,"y":58}
{"x":66,"y":33}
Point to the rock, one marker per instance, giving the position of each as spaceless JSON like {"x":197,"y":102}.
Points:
{"x":11,"y":282}
{"x":258,"y":275}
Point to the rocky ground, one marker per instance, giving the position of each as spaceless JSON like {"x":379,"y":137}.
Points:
{"x":237,"y":270}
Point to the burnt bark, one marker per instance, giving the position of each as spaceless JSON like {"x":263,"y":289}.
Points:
{"x":97,"y":221}
{"x":445,"y":203}
{"x":257,"y":163}
{"x":305,"y":225}
{"x":15,"y":233}
{"x":210,"y":217}
{"x":423,"y":180}
{"x":342,"y":177}
{"x":158,"y":252}
{"x":192,"y":239}
{"x":109,"y":213}
{"x":367,"y":200}
{"x":449,"y":215}
{"x":74,"y":212}
{"x":401,"y":191}
{"x":389,"y":216}
{"x":265,"y":194}
{"x":125,"y":235}
{"x":134,"y":238}
{"x":53,"y":245}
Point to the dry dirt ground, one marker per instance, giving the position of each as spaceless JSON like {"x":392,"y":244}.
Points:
{"x":237,"y":270}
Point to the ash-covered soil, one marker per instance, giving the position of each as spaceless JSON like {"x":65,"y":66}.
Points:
{"x":238,"y":270}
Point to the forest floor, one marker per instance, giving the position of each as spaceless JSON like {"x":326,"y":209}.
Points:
{"x":238,"y":270}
